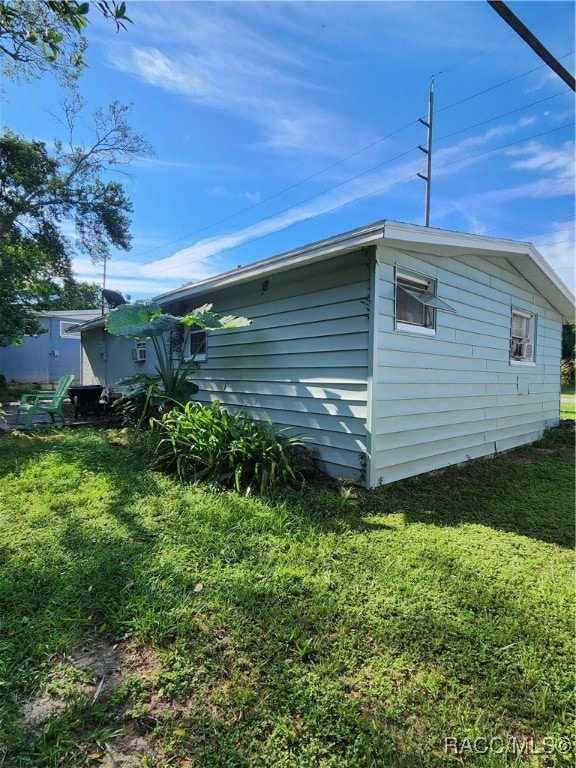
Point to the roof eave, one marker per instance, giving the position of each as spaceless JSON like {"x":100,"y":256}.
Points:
{"x":318,"y":251}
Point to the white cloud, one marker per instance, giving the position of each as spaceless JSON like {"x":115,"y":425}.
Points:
{"x":188,"y":260}
{"x":538,"y":156}
{"x":221,"y":58}
{"x":558,"y":248}
{"x":462,"y":147}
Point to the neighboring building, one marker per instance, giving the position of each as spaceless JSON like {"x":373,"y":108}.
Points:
{"x":397,"y":349}
{"x":43,"y":359}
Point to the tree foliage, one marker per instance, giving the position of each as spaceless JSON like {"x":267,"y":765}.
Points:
{"x":38,"y":36}
{"x":44,"y":196}
{"x":568,"y":341}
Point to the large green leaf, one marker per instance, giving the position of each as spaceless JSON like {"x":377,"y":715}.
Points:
{"x":140,"y":320}
{"x":203,"y":317}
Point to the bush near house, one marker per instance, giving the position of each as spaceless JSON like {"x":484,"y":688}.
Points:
{"x":206,"y":442}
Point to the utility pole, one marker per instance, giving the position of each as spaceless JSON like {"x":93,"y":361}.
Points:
{"x":103,"y":283}
{"x":428,"y":152}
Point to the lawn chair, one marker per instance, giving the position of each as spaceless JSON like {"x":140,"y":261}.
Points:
{"x":45,"y":402}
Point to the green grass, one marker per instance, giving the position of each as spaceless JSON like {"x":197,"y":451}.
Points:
{"x":296,"y":631}
{"x":568,"y":403}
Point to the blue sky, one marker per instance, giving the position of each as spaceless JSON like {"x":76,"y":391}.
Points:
{"x":277,"y":124}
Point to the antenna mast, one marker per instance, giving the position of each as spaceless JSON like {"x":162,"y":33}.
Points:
{"x":103,"y":284}
{"x":428,"y":152}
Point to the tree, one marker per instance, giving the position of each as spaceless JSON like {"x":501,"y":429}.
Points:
{"x":568,"y":341}
{"x":76,"y":295}
{"x":44,"y":194}
{"x":38,"y":36}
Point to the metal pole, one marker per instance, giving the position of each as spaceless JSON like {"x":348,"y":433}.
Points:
{"x":428,"y":152}
{"x":103,"y":283}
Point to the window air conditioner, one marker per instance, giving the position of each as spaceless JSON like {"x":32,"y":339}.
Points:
{"x":526,"y":350}
{"x":139,"y":355}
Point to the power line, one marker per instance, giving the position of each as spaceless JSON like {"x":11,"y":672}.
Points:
{"x":349,"y":202}
{"x":520,"y":224}
{"x":498,"y":85}
{"x":499,"y":117}
{"x":511,"y":144}
{"x":336,"y":164}
{"x":281,"y":192}
{"x":513,"y":21}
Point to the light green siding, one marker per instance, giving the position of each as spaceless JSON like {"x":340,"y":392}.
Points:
{"x":440,"y":400}
{"x":303,"y":361}
{"x":323,"y":358}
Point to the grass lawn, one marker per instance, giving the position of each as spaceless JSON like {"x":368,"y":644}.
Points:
{"x":143,"y":623}
{"x":568,"y":403}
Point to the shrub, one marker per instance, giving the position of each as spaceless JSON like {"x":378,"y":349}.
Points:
{"x":206,"y":442}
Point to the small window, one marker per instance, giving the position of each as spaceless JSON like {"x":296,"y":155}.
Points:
{"x":523,"y":337}
{"x":417,"y":303}
{"x":139,"y":352}
{"x":64,"y":325}
{"x":197,"y":344}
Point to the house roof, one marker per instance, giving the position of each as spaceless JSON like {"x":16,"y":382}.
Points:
{"x":72,"y":314}
{"x":439,"y":242}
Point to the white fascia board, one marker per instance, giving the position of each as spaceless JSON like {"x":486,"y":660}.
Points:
{"x":82,"y":315}
{"x":523,"y":256}
{"x":89,"y":325}
{"x":534,"y":268}
{"x":447,"y":241}
{"x":323,"y":249}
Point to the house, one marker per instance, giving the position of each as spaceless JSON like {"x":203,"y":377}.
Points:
{"x":397,"y":349}
{"x":43,"y":359}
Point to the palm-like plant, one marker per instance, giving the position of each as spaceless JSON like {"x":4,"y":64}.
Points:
{"x":171,"y":384}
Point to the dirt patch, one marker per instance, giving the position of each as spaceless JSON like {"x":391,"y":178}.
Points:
{"x":91,"y":672}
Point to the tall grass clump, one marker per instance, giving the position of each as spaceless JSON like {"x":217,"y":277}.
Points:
{"x":232,"y":450}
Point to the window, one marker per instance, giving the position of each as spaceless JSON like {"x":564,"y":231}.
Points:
{"x":417,"y":303}
{"x":64,"y":325}
{"x":523,"y":336}
{"x":197,"y":344}
{"x":139,"y":352}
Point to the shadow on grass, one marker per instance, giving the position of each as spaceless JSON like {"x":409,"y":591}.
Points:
{"x":295,"y":644}
{"x":528,"y":491}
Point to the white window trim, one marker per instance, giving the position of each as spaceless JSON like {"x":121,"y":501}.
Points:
{"x":68,"y":324}
{"x":429,"y":299}
{"x":198,"y":358}
{"x":409,"y":328}
{"x":139,"y":352}
{"x":532,"y":317}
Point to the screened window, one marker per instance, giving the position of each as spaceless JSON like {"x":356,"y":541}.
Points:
{"x":523,"y":336}
{"x":417,"y":303}
{"x":197,"y":344}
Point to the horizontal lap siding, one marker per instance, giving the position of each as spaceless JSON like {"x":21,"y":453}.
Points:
{"x":303,"y":362}
{"x":440,"y":400}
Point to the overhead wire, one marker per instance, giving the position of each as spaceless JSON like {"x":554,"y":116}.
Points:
{"x":376,"y":167}
{"x":341,"y":205}
{"x":393,"y":133}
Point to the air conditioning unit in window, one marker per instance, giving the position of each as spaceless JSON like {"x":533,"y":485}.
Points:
{"x":139,"y":355}
{"x":526,"y":350}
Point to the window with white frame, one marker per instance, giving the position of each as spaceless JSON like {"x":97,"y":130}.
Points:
{"x":197,"y":344}
{"x":64,"y":325}
{"x":523,"y":336}
{"x":416,"y":302}
{"x":139,"y":352}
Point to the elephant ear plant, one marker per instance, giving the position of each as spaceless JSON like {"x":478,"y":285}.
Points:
{"x":148,"y":394}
